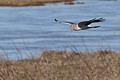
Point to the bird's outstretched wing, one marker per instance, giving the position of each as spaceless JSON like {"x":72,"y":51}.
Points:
{"x":86,"y":23}
{"x":65,"y":22}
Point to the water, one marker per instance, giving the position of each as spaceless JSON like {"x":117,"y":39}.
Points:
{"x":26,"y":30}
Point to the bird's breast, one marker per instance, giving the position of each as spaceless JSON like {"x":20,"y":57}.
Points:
{"x":75,"y":27}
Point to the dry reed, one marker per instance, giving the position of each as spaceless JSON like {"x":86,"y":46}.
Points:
{"x":63,"y":65}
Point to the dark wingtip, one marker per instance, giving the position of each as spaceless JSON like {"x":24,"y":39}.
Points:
{"x":56,"y":20}
{"x":102,"y":19}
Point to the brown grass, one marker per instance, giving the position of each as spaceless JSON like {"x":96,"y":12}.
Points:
{"x":62,"y":65}
{"x":28,"y":2}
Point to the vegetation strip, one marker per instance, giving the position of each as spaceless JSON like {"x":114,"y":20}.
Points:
{"x":63,"y":65}
{"x":28,"y":2}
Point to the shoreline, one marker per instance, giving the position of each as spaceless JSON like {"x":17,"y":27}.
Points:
{"x":29,"y":2}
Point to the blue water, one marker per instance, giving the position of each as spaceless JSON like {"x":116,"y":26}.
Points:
{"x":25,"y":31}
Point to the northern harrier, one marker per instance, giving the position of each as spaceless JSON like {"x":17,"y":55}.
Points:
{"x":83,"y":25}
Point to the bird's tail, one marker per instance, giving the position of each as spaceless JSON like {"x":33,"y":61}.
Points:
{"x":65,"y":22}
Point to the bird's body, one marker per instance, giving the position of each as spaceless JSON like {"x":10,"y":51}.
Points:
{"x":74,"y":27}
{"x":83,"y":25}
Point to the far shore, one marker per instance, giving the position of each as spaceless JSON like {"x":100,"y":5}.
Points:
{"x":29,"y":2}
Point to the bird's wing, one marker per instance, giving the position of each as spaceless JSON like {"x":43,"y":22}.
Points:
{"x":86,"y":23}
{"x":65,"y":22}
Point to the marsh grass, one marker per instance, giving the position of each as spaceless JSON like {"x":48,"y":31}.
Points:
{"x":28,"y":2}
{"x":63,"y":65}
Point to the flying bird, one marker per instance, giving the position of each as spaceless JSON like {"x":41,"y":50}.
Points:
{"x":83,"y":25}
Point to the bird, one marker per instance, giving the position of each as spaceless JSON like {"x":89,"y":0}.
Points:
{"x":82,"y":25}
